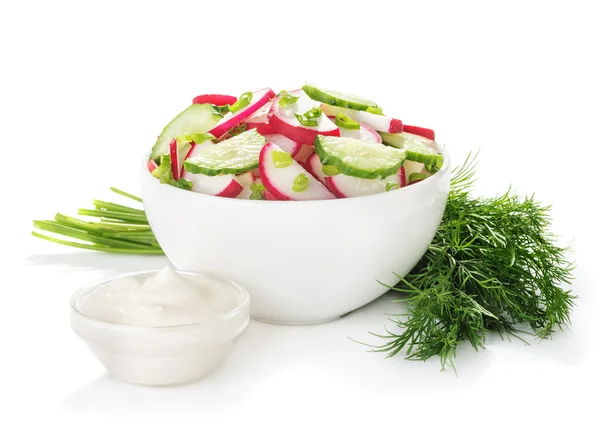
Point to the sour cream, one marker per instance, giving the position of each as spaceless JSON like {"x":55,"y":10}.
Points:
{"x":160,"y":328}
{"x":166,"y":298}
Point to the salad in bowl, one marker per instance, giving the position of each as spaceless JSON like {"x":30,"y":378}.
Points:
{"x":299,"y":145}
{"x":373,"y":193}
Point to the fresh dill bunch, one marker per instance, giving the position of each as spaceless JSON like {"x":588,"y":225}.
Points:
{"x":492,"y":265}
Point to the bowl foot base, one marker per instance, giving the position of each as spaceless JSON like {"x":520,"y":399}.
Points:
{"x":285,"y":323}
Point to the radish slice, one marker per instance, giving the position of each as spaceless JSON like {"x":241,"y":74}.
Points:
{"x":176,"y":153}
{"x":260,"y":121}
{"x":199,"y":147}
{"x":245,"y":179}
{"x":403,"y":178}
{"x":304,"y":153}
{"x":365,"y":133}
{"x":284,"y":120}
{"x":152,"y":165}
{"x":215,"y":99}
{"x":284,"y":143}
{"x":259,"y":99}
{"x":225,"y":186}
{"x":420,"y":131}
{"x":281,"y":181}
{"x":376,"y":122}
{"x":314,"y":166}
{"x":411,"y":167}
{"x":269,"y":196}
{"x":349,"y":187}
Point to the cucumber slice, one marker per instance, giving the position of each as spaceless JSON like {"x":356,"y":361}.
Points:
{"x":198,"y":118}
{"x":418,"y":149}
{"x":359,"y":159}
{"x":232,"y":156}
{"x":336,"y":98}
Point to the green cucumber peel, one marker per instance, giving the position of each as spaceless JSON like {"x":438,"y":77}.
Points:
{"x":417,"y":149}
{"x":196,"y":119}
{"x":335,"y":98}
{"x":355,"y":158}
{"x":232,"y":156}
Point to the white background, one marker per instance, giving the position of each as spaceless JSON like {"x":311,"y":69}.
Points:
{"x":86,"y":87}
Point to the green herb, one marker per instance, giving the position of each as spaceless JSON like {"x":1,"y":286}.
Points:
{"x":287,"y":99}
{"x":301,"y":183}
{"x":391,"y":186}
{"x":492,"y":266}
{"x":195,"y":138}
{"x":221,"y":110}
{"x":121,"y":229}
{"x":163,"y":172}
{"x":243,"y":101}
{"x":344,"y":121}
{"x":281,"y":159}
{"x":330,"y":170}
{"x":257,"y":191}
{"x":309,"y":118}
{"x":374,"y":110}
{"x":181,"y":183}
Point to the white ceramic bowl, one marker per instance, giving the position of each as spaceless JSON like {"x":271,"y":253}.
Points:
{"x":160,"y":355}
{"x":302,"y":262}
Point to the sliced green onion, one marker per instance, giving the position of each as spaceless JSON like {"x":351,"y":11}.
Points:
{"x":308,"y":122}
{"x":125,"y":194}
{"x":149,"y":250}
{"x":195,"y":138}
{"x":374,"y":110}
{"x":243,"y":101}
{"x":330,"y":170}
{"x":301,"y":183}
{"x":257,"y":191}
{"x":309,"y":118}
{"x":391,"y":186}
{"x":181,"y":183}
{"x":281,"y":159}
{"x":287,"y":99}
{"x":134,"y":218}
{"x":416,"y":177}
{"x":221,"y":110}
{"x":344,"y":121}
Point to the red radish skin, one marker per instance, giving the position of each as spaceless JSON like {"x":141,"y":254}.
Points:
{"x":420,"y":131}
{"x":215,"y":99}
{"x":232,"y":190}
{"x":402,"y":174}
{"x":225,"y":186}
{"x":259,"y":99}
{"x":175,"y":163}
{"x":333,"y":188}
{"x":245,"y":179}
{"x":314,"y":166}
{"x":284,"y":143}
{"x":152,"y":165}
{"x":284,"y":177}
{"x":270,"y":197}
{"x":304,"y":153}
{"x":263,"y":128}
{"x":286,"y":123}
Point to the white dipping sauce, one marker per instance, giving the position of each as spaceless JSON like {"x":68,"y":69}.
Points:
{"x":166,"y":298}
{"x":160,"y":328}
